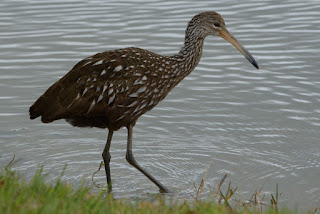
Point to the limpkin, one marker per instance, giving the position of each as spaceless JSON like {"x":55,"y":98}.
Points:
{"x":114,"y":88}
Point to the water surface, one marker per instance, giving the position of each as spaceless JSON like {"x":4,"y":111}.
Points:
{"x":259,"y":126}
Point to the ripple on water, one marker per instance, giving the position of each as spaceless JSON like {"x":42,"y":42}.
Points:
{"x":255,"y":125}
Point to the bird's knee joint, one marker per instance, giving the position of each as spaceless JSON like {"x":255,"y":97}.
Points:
{"x":106,"y":156}
{"x":130,"y":158}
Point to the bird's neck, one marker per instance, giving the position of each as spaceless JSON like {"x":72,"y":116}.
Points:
{"x":190,"y":54}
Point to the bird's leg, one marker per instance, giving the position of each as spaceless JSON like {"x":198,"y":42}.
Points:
{"x":106,"y":158}
{"x":132,"y":161}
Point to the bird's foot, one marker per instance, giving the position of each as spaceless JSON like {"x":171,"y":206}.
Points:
{"x":164,"y":190}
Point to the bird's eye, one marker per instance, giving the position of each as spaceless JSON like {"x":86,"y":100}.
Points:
{"x":216,"y":24}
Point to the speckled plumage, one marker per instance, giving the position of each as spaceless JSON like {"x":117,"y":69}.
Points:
{"x":113,"y":89}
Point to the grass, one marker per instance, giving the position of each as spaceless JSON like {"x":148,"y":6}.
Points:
{"x":37,"y":196}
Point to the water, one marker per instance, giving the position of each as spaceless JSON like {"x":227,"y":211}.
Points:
{"x":259,"y":126}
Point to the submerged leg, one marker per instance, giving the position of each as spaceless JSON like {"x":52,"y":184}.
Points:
{"x":133,"y":162}
{"x":106,"y":158}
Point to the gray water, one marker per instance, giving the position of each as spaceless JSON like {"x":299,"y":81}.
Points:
{"x":259,"y":126}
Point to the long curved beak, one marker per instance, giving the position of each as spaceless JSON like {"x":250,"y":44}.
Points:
{"x":228,"y":36}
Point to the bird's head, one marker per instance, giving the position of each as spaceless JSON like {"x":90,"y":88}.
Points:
{"x":212,"y":23}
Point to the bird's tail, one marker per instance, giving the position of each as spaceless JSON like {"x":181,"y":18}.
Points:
{"x":47,"y":106}
{"x":49,"y":110}
{"x":37,"y":108}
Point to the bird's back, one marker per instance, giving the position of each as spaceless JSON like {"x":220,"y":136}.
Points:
{"x":108,"y":90}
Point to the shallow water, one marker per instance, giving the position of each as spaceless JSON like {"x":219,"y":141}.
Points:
{"x":259,"y":126}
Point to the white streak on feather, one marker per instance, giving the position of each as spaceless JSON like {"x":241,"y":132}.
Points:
{"x":78,"y":96}
{"x":91,"y":106}
{"x":133,"y":95}
{"x":104,"y":88}
{"x":111,"y":99}
{"x":98,"y":63}
{"x":142,"y":106}
{"x":103,"y":72}
{"x":133,"y":104}
{"x":142,"y":89}
{"x":120,"y":117}
{"x":110,"y":91}
{"x":100,"y":98}
{"x":118,"y":68}
{"x":84,"y":91}
{"x":135,"y":110}
{"x":137,"y":82}
{"x":86,"y":63}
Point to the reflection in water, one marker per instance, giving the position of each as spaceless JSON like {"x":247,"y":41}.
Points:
{"x":256,"y":125}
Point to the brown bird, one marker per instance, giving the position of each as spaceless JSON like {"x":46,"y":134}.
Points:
{"x":114,"y":88}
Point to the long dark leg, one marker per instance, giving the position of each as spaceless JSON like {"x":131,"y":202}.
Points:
{"x":106,"y":158}
{"x":133,"y":162}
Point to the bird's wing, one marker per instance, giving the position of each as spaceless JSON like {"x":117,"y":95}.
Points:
{"x":94,"y":87}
